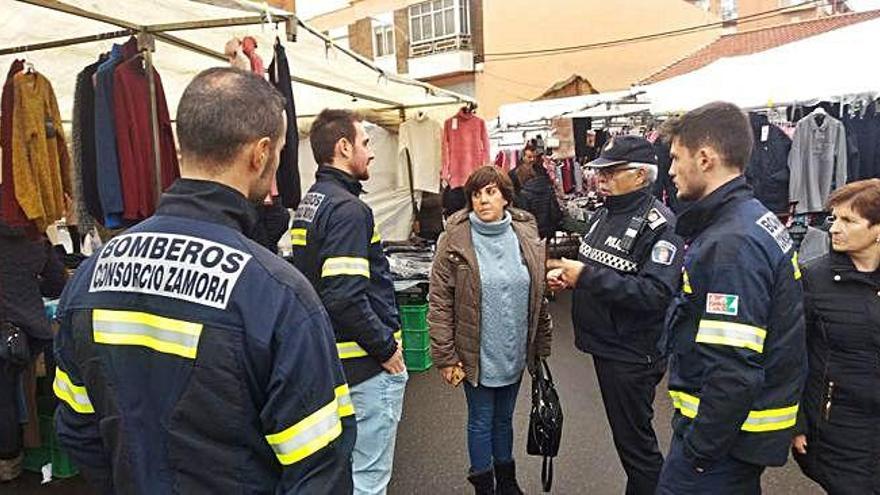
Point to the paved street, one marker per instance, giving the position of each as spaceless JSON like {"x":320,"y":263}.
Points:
{"x":431,"y":455}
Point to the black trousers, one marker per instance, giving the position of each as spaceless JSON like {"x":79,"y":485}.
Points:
{"x":10,"y":427}
{"x":628,"y":393}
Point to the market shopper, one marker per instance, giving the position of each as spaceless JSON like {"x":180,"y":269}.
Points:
{"x":336,"y":245}
{"x":627,"y":272}
{"x":534,"y":192}
{"x":736,"y":329}
{"x":29,"y":271}
{"x":838,"y":441}
{"x":488,"y":319}
{"x":190,"y":359}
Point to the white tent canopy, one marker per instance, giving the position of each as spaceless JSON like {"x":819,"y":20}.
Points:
{"x":542,"y":111}
{"x":831,"y":65}
{"x":312,"y":57}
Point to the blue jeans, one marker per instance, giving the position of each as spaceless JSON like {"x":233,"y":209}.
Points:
{"x":378,"y":405}
{"x":490,"y":424}
{"x":727,"y":476}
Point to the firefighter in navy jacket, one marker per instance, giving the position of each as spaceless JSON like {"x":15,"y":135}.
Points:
{"x":336,"y":245}
{"x":628,"y":270}
{"x":736,"y":330}
{"x":190,"y":359}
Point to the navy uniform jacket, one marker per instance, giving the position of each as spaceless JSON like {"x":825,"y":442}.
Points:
{"x":337,"y":247}
{"x":192,"y":360}
{"x":621,"y":298}
{"x":738,"y":359}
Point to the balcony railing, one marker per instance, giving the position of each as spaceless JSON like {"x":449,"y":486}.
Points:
{"x":456,"y":42}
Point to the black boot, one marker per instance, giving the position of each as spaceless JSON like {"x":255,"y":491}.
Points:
{"x":483,"y":482}
{"x":505,"y":475}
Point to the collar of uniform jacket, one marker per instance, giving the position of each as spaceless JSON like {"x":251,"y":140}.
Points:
{"x":703,"y":213}
{"x":210,"y":201}
{"x":327,"y":172}
{"x":628,"y":202}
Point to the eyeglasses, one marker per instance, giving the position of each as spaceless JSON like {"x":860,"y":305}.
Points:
{"x":612,"y":171}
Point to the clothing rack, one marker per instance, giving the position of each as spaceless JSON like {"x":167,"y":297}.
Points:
{"x":147,"y":34}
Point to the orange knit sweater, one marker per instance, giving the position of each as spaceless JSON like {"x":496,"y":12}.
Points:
{"x":40,"y":161}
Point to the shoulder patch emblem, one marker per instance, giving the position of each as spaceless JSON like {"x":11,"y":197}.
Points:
{"x":663,"y":253}
{"x":774,"y":227}
{"x":655,"y":219}
{"x":722,"y":304}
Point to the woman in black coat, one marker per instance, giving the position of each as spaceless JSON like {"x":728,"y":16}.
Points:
{"x":29,"y":270}
{"x":838,"y":439}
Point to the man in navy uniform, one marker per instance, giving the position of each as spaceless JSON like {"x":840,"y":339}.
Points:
{"x":736,"y":329}
{"x":191,"y":359}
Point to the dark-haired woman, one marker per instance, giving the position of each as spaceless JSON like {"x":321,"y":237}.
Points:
{"x":488,"y":318}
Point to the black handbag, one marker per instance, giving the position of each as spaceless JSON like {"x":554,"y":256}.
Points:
{"x":545,"y":422}
{"x":14,"y":346}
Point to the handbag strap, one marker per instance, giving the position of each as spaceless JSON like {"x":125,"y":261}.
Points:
{"x":547,"y":473}
{"x":547,"y":370}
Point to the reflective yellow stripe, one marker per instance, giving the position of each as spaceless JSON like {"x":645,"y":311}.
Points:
{"x":797,"y":268}
{"x":732,"y":334}
{"x":376,"y":238}
{"x":161,"y":334}
{"x":75,"y":396}
{"x":345,"y":266}
{"x":346,"y":407}
{"x":298,"y":237}
{"x":758,"y":420}
{"x":687,"y":404}
{"x":771,"y":419}
{"x":349,"y":350}
{"x":314,"y":432}
{"x":686,"y":283}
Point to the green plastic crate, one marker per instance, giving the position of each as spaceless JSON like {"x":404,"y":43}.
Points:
{"x":414,"y":317}
{"x":416,"y":339}
{"x":417,"y":359}
{"x":49,"y":452}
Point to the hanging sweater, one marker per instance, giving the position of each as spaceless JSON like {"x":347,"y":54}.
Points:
{"x":817,"y":162}
{"x":40,"y":163}
{"x":10,"y":211}
{"x":465,"y":147}
{"x":134,"y":139}
{"x":504,"y":316}
{"x":287,"y":176}
{"x":422,"y":137}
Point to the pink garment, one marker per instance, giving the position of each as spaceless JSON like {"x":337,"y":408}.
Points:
{"x":465,"y":147}
{"x":249,"y":47}
{"x":235,"y":56}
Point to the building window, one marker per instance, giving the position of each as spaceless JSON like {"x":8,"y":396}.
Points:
{"x":729,"y":10}
{"x":438,"y":19}
{"x":383,"y":41}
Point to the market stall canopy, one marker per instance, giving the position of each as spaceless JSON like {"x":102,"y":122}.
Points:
{"x":532,"y":113}
{"x":831,"y":65}
{"x":324,"y":74}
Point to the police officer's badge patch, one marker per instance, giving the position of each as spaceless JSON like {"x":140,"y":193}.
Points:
{"x":663,"y":253}
{"x":655,"y":218}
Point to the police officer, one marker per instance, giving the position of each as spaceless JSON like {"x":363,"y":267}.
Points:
{"x":190,"y":359}
{"x":337,"y":247}
{"x":736,"y":329}
{"x":627,"y":272}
